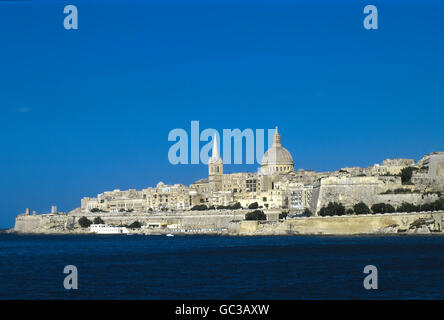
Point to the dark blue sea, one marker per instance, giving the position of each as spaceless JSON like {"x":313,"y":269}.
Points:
{"x":219,"y":267}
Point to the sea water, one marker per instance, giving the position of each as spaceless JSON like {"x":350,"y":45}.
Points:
{"x":221,"y":267}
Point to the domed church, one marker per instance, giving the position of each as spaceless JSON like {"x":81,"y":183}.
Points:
{"x":277,"y":159}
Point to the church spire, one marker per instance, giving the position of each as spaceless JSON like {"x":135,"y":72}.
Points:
{"x":215,"y":168}
{"x":215,"y":154}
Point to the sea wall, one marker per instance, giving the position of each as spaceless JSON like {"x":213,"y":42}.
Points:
{"x":353,"y":225}
{"x":233,"y":222}
{"x":68,"y":223}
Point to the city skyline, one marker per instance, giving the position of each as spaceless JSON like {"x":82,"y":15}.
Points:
{"x":90,"y":110}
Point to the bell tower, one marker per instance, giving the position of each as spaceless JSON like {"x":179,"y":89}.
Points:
{"x":215,"y":168}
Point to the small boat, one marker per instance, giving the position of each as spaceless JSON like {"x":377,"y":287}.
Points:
{"x":170,"y":235}
{"x":105,"y":229}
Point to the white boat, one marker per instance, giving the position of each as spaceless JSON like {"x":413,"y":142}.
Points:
{"x":104,"y":229}
{"x":170,"y":235}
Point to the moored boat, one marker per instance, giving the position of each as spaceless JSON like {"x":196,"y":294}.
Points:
{"x":104,"y":229}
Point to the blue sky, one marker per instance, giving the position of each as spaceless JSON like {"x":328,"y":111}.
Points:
{"x":90,"y":110}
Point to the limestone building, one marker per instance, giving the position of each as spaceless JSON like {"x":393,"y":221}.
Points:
{"x":278,"y":186}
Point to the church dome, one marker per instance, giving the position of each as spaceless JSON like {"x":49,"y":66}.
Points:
{"x":277,"y":158}
{"x":277,"y":155}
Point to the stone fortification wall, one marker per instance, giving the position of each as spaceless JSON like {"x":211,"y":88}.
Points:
{"x":347,"y":190}
{"x":431,"y":172}
{"x":370,"y":190}
{"x":24,"y":223}
{"x":429,"y":182}
{"x":59,"y":223}
{"x":366,"y":224}
{"x":350,"y":225}
{"x":235,"y":224}
{"x":414,"y":198}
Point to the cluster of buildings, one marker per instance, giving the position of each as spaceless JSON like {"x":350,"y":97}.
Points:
{"x":276,"y":186}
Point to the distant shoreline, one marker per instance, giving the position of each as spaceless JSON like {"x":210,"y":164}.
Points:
{"x":363,"y":235}
{"x":233,"y":223}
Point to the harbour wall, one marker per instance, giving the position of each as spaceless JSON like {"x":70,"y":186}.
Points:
{"x":233,"y":222}
{"x":69,"y":223}
{"x":351,"y":225}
